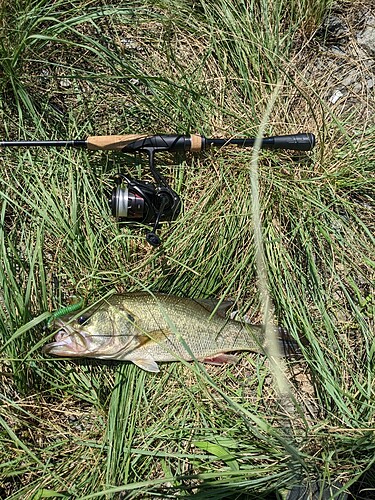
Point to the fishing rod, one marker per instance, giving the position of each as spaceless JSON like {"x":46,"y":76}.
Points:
{"x":134,"y":200}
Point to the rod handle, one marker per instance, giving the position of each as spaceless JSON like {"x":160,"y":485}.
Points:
{"x":112,"y":142}
{"x":295,"y":142}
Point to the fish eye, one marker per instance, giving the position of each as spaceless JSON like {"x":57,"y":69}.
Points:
{"x":130,"y":318}
{"x":83,"y":320}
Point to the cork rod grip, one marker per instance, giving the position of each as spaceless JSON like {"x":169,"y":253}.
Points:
{"x":196,"y":143}
{"x":112,"y":142}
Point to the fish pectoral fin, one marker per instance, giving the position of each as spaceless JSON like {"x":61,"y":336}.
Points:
{"x":158,"y":335}
{"x":147,"y":364}
{"x":220,"y":359}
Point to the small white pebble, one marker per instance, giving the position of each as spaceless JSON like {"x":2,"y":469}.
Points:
{"x":335,"y":96}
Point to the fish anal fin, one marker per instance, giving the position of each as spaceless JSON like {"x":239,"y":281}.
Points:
{"x":220,"y":359}
{"x":147,"y":364}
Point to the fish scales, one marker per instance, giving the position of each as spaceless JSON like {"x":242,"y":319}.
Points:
{"x":205,"y":335}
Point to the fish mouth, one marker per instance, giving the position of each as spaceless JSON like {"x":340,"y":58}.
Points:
{"x":67,"y":342}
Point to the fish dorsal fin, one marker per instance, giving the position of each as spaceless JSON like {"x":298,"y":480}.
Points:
{"x":147,"y":364}
{"x":211,"y":305}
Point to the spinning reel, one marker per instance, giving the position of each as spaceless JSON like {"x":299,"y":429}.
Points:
{"x":143,"y":202}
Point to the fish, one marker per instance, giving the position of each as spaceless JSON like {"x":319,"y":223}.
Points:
{"x":146,"y":329}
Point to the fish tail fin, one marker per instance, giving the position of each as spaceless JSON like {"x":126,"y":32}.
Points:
{"x":287,"y":345}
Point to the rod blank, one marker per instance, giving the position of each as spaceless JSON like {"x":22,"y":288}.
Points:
{"x":43,"y":144}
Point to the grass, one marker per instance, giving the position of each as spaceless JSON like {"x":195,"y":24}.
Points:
{"x":90,"y":430}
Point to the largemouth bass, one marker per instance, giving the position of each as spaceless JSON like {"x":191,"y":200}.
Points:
{"x":146,"y":329}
